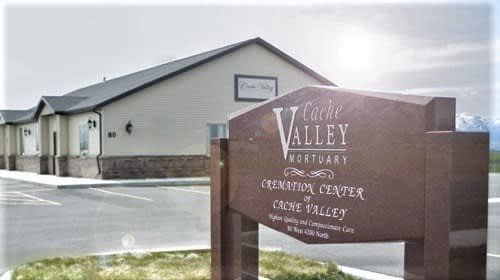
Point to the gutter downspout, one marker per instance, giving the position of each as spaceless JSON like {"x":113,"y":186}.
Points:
{"x":100,"y":140}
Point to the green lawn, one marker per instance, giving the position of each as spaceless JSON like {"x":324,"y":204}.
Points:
{"x":172,"y":265}
{"x":494,"y":161}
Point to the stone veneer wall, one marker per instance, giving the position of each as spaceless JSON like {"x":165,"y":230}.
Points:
{"x":50,"y":165}
{"x":79,"y":167}
{"x":129,"y":167}
{"x":28,"y":163}
{"x":44,"y":164}
{"x":61,"y":166}
{"x":132,"y":167}
{"x":10,"y":162}
{"x":2,"y":162}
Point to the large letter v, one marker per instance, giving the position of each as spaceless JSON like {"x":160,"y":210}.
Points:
{"x":285,"y":142}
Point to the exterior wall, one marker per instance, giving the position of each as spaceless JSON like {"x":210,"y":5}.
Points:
{"x":154,"y":166}
{"x":133,"y":167}
{"x":170,"y":118}
{"x":67,"y":160}
{"x":61,"y":166}
{"x":80,"y":164}
{"x":29,"y":159}
{"x":2,"y":146}
{"x":29,"y":142}
{"x":82,"y":167}
{"x":43,"y":137}
{"x":62,"y":135}
{"x":10,"y":162}
{"x":29,"y":163}
{"x":2,"y":139}
{"x":46,"y":111}
{"x":52,"y":128}
{"x":74,"y":122}
{"x":56,"y":162}
{"x":43,"y":140}
{"x":10,"y":147}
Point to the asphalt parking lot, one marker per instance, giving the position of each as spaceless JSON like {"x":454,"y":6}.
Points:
{"x":40,"y":222}
{"x":54,"y":222}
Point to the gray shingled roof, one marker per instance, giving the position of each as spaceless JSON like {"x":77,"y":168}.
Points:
{"x":62,"y":103}
{"x":104,"y":92}
{"x":17,"y":116}
{"x":100,"y":94}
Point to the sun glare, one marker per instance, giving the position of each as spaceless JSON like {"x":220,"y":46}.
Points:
{"x":356,"y":49}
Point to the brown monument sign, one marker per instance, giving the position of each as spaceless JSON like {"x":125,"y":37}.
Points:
{"x":332,"y":165}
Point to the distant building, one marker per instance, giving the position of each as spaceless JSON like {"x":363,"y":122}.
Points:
{"x":152,"y":123}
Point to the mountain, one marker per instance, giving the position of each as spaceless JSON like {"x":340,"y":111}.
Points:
{"x":469,"y":122}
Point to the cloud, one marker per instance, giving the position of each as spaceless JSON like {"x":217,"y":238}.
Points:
{"x":424,"y":48}
{"x":496,"y":51}
{"x":417,"y":23}
{"x":413,"y":45}
{"x":475,"y":99}
{"x":443,"y":56}
{"x":443,"y":91}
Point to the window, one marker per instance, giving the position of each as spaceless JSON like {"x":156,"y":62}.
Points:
{"x":84,"y":138}
{"x":21,"y":141}
{"x":214,"y":131}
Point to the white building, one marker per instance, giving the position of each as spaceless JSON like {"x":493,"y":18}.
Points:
{"x":152,"y":123}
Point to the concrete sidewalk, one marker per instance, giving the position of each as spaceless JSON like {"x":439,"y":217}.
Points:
{"x":73,"y":182}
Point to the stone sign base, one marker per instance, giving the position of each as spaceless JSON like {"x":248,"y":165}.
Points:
{"x":234,"y":237}
{"x":456,"y":195}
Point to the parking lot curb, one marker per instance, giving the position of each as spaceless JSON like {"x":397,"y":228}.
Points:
{"x":80,"y":183}
{"x":174,"y":182}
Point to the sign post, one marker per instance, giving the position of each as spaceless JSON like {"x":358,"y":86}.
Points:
{"x":234,"y":237}
{"x":332,"y":165}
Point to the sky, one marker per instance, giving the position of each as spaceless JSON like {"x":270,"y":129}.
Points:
{"x":445,"y":49}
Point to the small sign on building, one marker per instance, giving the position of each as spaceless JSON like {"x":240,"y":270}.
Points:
{"x":254,"y":88}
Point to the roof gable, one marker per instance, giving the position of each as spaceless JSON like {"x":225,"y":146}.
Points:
{"x":109,"y":91}
{"x":100,"y":94}
{"x":57,"y":104}
{"x":17,"y":116}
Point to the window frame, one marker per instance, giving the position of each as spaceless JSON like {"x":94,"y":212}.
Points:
{"x":83,"y":151}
